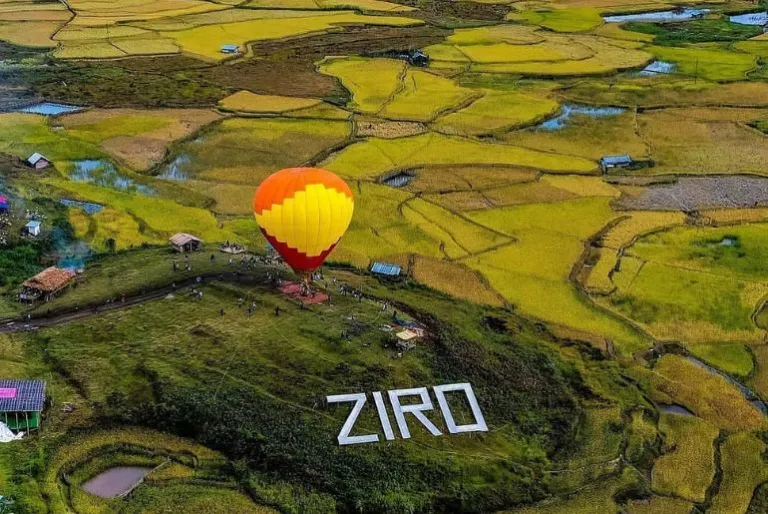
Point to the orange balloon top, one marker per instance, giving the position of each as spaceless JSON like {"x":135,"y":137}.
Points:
{"x":285,"y":183}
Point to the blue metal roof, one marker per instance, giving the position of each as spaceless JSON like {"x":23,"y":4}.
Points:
{"x":383,"y":268}
{"x":229,"y":48}
{"x":616,"y":159}
{"x":22,"y":395}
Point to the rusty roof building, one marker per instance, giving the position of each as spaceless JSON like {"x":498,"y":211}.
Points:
{"x":46,"y":284}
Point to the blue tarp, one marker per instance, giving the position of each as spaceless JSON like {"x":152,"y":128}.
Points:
{"x":383,"y":268}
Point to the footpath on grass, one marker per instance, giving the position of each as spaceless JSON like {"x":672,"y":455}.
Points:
{"x":80,"y":312}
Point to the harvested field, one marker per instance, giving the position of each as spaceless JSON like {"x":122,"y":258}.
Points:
{"x":700,"y":193}
{"x":245,"y":101}
{"x":710,"y":141}
{"x":388,"y":129}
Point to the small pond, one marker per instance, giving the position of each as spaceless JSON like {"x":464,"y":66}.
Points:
{"x":103,"y":173}
{"x":398,"y":180}
{"x":116,"y":481}
{"x":176,"y":169}
{"x":674,"y":409}
{"x":88,"y":207}
{"x":50,"y":109}
{"x":659,"y":16}
{"x":560,"y":121}
{"x":751,"y":18}
{"x":657,"y":68}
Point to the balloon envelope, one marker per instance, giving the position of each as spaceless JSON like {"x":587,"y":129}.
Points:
{"x":303,"y":212}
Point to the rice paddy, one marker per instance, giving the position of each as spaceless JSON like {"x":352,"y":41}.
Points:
{"x":511,"y":237}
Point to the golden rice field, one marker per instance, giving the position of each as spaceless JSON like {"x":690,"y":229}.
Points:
{"x":687,"y":467}
{"x":499,"y":210}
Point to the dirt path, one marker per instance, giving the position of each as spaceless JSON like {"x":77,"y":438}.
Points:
{"x":78,"y":313}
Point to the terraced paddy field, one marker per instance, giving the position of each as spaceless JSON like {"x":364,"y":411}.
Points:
{"x":611,"y":318}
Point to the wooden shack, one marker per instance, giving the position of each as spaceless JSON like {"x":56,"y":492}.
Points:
{"x":46,"y":285}
{"x":182,"y":242}
{"x":21,"y":403}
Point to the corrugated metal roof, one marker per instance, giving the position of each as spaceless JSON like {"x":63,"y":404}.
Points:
{"x":181,"y":239}
{"x":22,"y":395}
{"x":616,"y":159}
{"x":383,"y":268}
{"x":35,"y":158}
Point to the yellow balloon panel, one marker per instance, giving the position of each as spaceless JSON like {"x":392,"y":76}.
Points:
{"x":310,"y":221}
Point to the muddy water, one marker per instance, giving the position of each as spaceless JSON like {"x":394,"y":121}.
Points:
{"x":116,"y":481}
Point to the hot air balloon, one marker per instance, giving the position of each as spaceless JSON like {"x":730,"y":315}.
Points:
{"x":303,"y":212}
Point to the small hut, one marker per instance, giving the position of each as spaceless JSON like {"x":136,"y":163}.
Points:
{"x":46,"y":284}
{"x":182,"y":242}
{"x":38,"y":161}
{"x":406,"y":339}
{"x":3,"y":205}
{"x":33,"y":228}
{"x":21,"y":403}
{"x":615,"y":161}
{"x":230,"y":49}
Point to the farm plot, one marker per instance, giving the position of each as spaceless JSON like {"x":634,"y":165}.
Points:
{"x":159,"y":217}
{"x":687,"y":467}
{"x":704,"y":141}
{"x":711,"y":63}
{"x":245,"y":101}
{"x":497,"y":111}
{"x":695,"y":287}
{"x":424,"y":96}
{"x":585,"y":135}
{"x":245,"y":151}
{"x":632,"y":226}
{"x":374,"y":157}
{"x":669,"y":92}
{"x":30,"y":33}
{"x":709,"y":396}
{"x":138,"y":138}
{"x":361,"y":5}
{"x":743,"y":470}
{"x":90,"y":13}
{"x":372,"y":82}
{"x":206,"y":41}
{"x":579,"y":19}
{"x":533,"y":274}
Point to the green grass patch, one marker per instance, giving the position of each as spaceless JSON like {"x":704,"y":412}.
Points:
{"x":734,"y":359}
{"x":711,"y":62}
{"x":695,"y":31}
{"x":564,"y":20}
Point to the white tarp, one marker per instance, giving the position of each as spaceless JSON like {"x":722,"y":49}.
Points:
{"x":6,"y":436}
